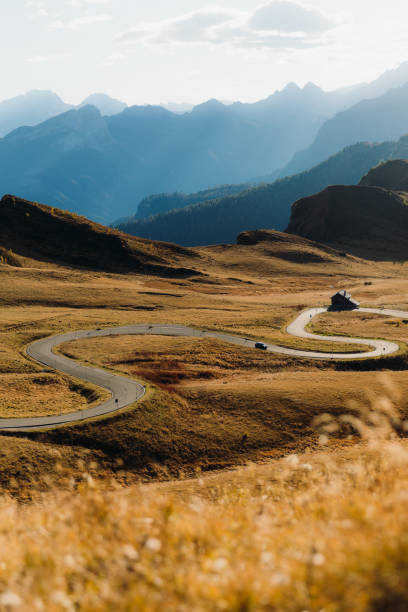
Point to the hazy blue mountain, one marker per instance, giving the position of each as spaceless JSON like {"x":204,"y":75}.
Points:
{"x":64,"y":161}
{"x":178,"y":107}
{"x":383,"y":118}
{"x":150,"y":150}
{"x":390,"y":79}
{"x":266,"y":206}
{"x":102,"y":166}
{"x":29,"y":109}
{"x":36,"y":107}
{"x":105,"y":104}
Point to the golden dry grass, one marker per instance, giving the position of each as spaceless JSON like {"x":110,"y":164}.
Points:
{"x":308,"y":528}
{"x":218,"y":404}
{"x":210,"y":410}
{"x":322,"y":531}
{"x":363,"y":325}
{"x":21,"y":395}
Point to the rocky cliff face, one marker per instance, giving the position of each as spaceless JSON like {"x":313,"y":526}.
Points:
{"x":369,"y":221}
{"x":389,"y":175}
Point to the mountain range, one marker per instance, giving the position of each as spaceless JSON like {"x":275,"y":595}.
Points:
{"x":383,"y":118}
{"x":103,"y":166}
{"x":265,"y":206}
{"x":102,"y":163}
{"x":35,"y":107}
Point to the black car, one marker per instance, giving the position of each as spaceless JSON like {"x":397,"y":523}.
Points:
{"x":261,"y":345}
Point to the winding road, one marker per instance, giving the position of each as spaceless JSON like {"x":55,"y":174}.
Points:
{"x":125,"y":391}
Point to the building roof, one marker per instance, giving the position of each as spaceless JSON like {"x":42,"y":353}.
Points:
{"x":346,"y":296}
{"x":343,"y":293}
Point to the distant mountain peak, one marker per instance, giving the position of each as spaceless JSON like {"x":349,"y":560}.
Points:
{"x":312,"y":87}
{"x":30,"y":108}
{"x":178,"y":107}
{"x":88,"y":110}
{"x":39,"y":94}
{"x":291,"y":88}
{"x":108,"y":106}
{"x":150,"y":110}
{"x":210,"y":106}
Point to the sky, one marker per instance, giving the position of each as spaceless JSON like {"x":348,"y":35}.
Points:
{"x":158,"y":51}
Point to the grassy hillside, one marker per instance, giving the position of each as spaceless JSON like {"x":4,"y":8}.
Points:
{"x":322,"y":531}
{"x":316,"y":521}
{"x":45,"y":233}
{"x":364,"y":220}
{"x":209,"y":404}
{"x":265,"y":206}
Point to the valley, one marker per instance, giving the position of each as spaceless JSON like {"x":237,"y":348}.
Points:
{"x":225,"y":436}
{"x":209,"y":404}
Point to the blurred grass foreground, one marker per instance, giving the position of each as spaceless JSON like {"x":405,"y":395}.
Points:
{"x":325,"y":531}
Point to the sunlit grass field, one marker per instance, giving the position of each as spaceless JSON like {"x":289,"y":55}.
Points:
{"x":211,"y":405}
{"x":316,"y":531}
{"x":237,"y":483}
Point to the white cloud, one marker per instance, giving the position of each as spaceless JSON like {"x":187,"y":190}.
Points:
{"x":78,"y":22}
{"x":192,"y":27}
{"x":38,"y":8}
{"x":40,"y":59}
{"x":83,"y":3}
{"x":35,"y":4}
{"x":114,"y":58}
{"x":90,"y":20}
{"x":285,"y":16}
{"x":280,"y":24}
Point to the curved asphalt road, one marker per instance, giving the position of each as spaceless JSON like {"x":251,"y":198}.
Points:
{"x":126,"y":391}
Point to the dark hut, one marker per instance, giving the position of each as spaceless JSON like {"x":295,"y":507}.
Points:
{"x":342,"y":300}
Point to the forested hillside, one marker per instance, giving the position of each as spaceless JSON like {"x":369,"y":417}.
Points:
{"x":163,"y":202}
{"x":265,"y":206}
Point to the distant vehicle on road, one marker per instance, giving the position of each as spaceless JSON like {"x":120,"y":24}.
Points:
{"x":261,"y":345}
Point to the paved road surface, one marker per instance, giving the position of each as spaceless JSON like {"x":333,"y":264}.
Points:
{"x":126,"y":391}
